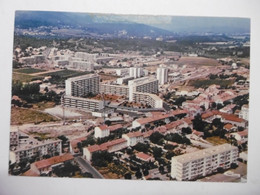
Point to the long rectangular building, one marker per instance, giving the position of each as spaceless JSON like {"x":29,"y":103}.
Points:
{"x":82,"y":103}
{"x":114,"y":89}
{"x":203,"y":162}
{"x":82,"y":85}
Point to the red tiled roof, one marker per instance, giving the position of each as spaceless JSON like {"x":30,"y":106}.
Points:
{"x":53,"y":160}
{"x":154,"y":118}
{"x":31,"y":172}
{"x":93,"y":148}
{"x":173,"y":125}
{"x":143,"y":156}
{"x":232,"y":117}
{"x":105,"y":146}
{"x":103,"y":127}
{"x":228,"y":126}
{"x":115,"y":127}
{"x":134,"y":134}
{"x":74,"y":142}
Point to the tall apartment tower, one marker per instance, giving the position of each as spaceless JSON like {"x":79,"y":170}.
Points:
{"x":82,"y":85}
{"x":144,"y":85}
{"x":135,"y":72}
{"x":162,"y":75}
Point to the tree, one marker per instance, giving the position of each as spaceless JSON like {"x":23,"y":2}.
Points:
{"x":186,"y":130}
{"x":180,"y":100}
{"x":156,"y":137}
{"x":146,"y":172}
{"x":169,"y":155}
{"x":101,"y":158}
{"x":161,"y":169}
{"x":217,"y":123}
{"x":157,"y":152}
{"x":141,"y":147}
{"x":128,"y":176}
{"x":233,"y":165}
{"x":108,"y":122}
{"x":138,"y":174}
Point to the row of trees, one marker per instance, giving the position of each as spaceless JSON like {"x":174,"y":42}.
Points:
{"x":158,"y":138}
{"x":31,"y":93}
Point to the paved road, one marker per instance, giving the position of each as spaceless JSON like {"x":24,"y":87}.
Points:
{"x":86,"y":167}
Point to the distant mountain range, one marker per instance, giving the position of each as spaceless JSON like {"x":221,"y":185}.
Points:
{"x":131,"y":25}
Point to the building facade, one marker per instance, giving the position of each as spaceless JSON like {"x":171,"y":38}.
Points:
{"x":153,"y":100}
{"x":144,"y":85}
{"x":82,"y":103}
{"x":114,"y":89}
{"x":82,"y":85}
{"x":35,"y":149}
{"x":162,"y":75}
{"x":204,"y":162}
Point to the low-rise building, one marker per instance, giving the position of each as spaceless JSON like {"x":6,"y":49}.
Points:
{"x":14,"y":137}
{"x":133,"y":138}
{"x":104,"y":130}
{"x":46,"y":166}
{"x":240,"y":136}
{"x":111,"y":146}
{"x":203,"y":162}
{"x":244,"y":113}
{"x":144,"y":157}
{"x":34,"y":148}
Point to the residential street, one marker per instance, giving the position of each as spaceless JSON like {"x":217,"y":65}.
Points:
{"x":86,"y":167}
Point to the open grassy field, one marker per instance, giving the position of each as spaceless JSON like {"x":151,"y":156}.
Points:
{"x":205,"y":83}
{"x":22,"y":77}
{"x":215,"y":140}
{"x":28,"y":70}
{"x":21,"y":116}
{"x":65,"y":73}
{"x":198,"y":61}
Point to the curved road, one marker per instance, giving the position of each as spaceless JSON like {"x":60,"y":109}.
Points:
{"x":86,"y":167}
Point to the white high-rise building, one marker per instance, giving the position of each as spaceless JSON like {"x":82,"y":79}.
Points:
{"x":144,"y":85}
{"x":82,"y":85}
{"x":162,"y":75}
{"x":135,"y":72}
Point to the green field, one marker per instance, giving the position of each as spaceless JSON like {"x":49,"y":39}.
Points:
{"x":28,"y":70}
{"x":205,"y":83}
{"x":65,"y":73}
{"x":22,"y":77}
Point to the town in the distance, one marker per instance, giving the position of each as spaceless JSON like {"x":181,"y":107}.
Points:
{"x":118,"y":105}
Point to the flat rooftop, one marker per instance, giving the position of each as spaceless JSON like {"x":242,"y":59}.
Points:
{"x":87,"y":76}
{"x":185,"y":158}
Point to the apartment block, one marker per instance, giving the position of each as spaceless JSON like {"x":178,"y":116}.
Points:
{"x":82,"y":85}
{"x":144,"y":85}
{"x":162,"y":75}
{"x":153,"y":100}
{"x":35,"y":148}
{"x":114,"y":89}
{"x":81,"y":65}
{"x":193,"y":165}
{"x":82,"y":103}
